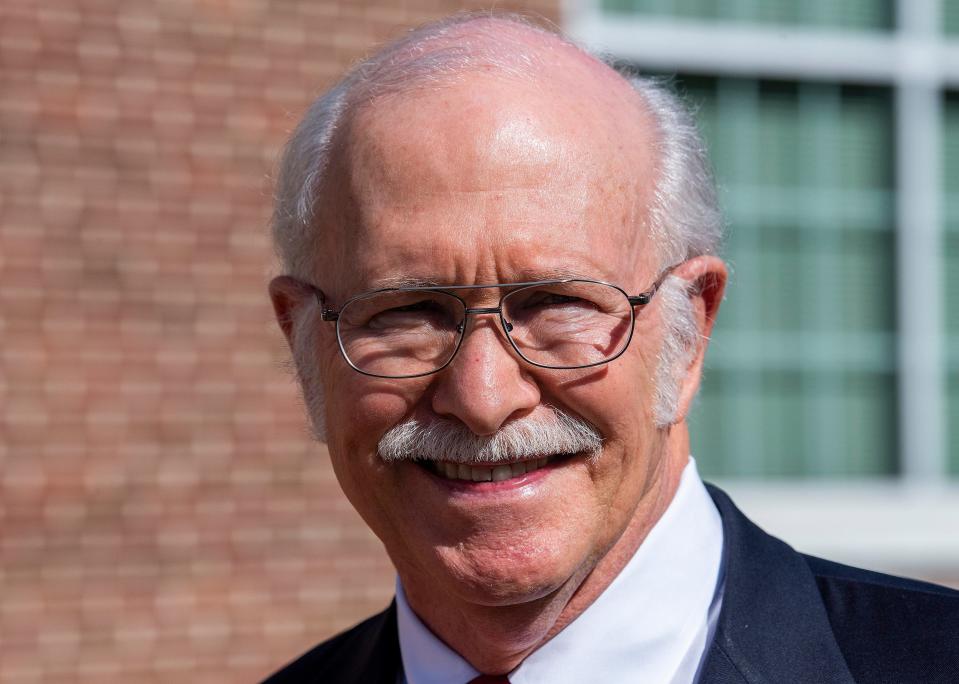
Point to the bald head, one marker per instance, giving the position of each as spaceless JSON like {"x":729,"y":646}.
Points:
{"x":451,"y":50}
{"x":510,"y":158}
{"x":535,"y":75}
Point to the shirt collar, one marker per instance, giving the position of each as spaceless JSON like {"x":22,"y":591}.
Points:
{"x":652,"y":623}
{"x":426,"y":659}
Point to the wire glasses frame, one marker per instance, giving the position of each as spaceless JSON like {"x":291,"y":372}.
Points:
{"x":333,"y":315}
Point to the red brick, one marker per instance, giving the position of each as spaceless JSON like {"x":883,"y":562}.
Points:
{"x":165,"y":515}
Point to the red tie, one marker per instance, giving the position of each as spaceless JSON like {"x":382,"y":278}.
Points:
{"x":489,"y":679}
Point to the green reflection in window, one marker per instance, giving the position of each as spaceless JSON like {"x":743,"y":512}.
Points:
{"x":848,"y":14}
{"x":951,"y":271}
{"x":950,"y":16}
{"x":800,"y":376}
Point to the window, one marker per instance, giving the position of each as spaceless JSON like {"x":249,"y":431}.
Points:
{"x":834,"y":370}
{"x":801,"y":372}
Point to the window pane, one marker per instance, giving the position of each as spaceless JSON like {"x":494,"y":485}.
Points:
{"x":800,"y":377}
{"x":950,"y":16}
{"x":849,"y":14}
{"x":951,"y":274}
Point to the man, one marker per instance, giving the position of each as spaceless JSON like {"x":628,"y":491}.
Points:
{"x":501,"y":279}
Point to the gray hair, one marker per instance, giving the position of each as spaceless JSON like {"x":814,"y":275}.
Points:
{"x":684,"y":219}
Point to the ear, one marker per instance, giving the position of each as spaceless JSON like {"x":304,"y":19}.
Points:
{"x":287,"y":295}
{"x":707,"y":277}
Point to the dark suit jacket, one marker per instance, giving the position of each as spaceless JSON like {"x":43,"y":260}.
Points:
{"x":786,"y":618}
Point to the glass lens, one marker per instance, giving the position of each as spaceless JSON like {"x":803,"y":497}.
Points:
{"x":566,"y":325}
{"x":398,"y":334}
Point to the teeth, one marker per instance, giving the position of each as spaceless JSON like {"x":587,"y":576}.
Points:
{"x":505,"y":471}
{"x":482,"y":474}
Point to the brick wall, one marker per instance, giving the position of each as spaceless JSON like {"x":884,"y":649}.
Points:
{"x":163,"y":514}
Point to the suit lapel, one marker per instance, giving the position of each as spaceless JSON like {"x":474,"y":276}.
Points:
{"x":377,"y":659}
{"x":772,"y":626}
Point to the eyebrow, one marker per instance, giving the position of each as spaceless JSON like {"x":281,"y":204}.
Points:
{"x":402,"y":281}
{"x":522,"y":277}
{"x":558,"y":274}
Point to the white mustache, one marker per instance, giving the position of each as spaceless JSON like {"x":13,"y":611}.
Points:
{"x":442,"y":439}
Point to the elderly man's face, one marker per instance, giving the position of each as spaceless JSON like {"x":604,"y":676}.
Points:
{"x":485,"y":182}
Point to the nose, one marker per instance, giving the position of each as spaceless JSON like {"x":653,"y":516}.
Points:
{"x":486,"y":383}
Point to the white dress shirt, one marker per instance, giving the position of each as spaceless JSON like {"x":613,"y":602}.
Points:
{"x":653,"y":623}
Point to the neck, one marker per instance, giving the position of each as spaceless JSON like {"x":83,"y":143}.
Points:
{"x":496,"y":639}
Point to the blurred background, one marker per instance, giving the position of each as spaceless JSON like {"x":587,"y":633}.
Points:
{"x":164,"y":514}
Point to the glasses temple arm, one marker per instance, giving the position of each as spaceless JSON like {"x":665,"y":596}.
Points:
{"x":327,"y":313}
{"x":643,"y":298}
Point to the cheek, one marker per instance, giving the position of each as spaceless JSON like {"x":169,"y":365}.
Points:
{"x":640,"y":363}
{"x":364,"y":408}
{"x":619,"y":402}
{"x":357,"y":420}
{"x":616,"y":398}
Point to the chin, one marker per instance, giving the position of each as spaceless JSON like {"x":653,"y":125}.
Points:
{"x":497,"y":576}
{"x":495,"y":592}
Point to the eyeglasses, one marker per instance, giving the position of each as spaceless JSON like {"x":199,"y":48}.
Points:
{"x":408,"y":332}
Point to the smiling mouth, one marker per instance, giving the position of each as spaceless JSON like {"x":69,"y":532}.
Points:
{"x":487,"y":473}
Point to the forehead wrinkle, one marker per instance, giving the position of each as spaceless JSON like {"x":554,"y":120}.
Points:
{"x":523,"y":275}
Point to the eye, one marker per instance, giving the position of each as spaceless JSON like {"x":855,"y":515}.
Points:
{"x":421,"y":306}
{"x":543,"y":299}
{"x":425,"y":312}
{"x":559,"y":299}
